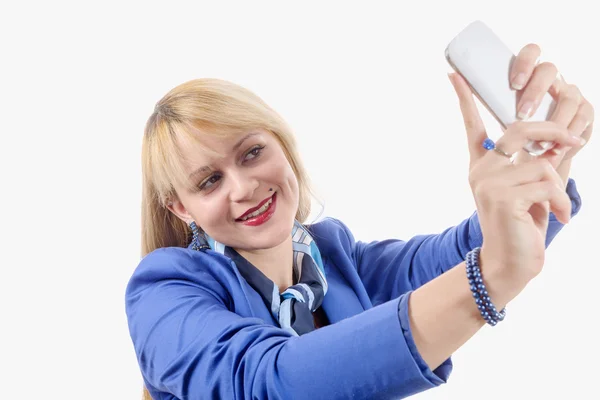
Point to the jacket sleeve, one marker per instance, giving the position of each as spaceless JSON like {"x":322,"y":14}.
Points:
{"x":391,"y":267}
{"x":189,"y":344}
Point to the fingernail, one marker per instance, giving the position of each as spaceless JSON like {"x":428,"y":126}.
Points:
{"x":555,"y":151}
{"x":519,"y":81}
{"x":578,"y":140}
{"x":525,"y":110}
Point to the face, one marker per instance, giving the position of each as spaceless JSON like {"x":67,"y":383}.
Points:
{"x":232,"y":201}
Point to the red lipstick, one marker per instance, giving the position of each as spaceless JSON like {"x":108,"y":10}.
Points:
{"x":264,"y":217}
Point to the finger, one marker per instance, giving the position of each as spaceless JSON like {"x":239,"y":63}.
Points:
{"x":557,"y":86}
{"x":474,"y":127}
{"x":538,"y":192}
{"x":582,"y":125}
{"x":518,"y":134}
{"x":555,"y":155}
{"x":587,"y":133}
{"x":567,"y":106}
{"x":533,"y":171}
{"x":538,"y":85}
{"x":523,"y":65}
{"x":583,"y":119}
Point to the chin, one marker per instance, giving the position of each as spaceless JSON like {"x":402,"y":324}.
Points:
{"x":271,"y":237}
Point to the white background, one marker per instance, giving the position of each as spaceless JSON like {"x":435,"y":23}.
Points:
{"x":365,"y":89}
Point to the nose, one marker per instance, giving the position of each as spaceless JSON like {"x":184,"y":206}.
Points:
{"x":242,"y":187}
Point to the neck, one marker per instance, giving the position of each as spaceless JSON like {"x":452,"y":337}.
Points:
{"x":276,"y":263}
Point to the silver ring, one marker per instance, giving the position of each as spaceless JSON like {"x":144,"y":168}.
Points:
{"x":502,"y":152}
{"x":489,"y":144}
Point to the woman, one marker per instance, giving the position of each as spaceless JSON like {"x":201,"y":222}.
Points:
{"x":236,"y":298}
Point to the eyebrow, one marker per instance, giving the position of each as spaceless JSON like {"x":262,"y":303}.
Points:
{"x":206,"y":168}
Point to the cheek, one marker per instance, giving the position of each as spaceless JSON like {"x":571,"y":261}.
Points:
{"x":209,"y":214}
{"x":284,"y":174}
{"x":292,"y":183}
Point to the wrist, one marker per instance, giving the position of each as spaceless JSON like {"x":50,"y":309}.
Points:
{"x":503,"y":282}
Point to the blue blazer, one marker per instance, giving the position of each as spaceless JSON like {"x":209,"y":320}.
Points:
{"x":200,"y":331}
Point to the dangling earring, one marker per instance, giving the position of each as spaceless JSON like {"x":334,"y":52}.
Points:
{"x":195,"y":232}
{"x":198,"y":240}
{"x":195,"y":236}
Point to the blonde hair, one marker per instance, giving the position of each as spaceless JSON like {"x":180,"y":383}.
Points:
{"x":201,"y":107}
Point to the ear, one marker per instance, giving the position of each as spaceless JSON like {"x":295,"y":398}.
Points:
{"x":177,"y":208}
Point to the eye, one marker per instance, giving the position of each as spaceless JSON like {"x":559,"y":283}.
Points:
{"x":209,"y":182}
{"x":255,"y":152}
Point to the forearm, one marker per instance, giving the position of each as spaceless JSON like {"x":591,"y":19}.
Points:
{"x":443,"y":313}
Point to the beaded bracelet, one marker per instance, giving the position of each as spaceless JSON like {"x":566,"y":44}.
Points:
{"x":482,"y":298}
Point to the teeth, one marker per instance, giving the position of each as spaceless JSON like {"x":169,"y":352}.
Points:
{"x":259,"y":211}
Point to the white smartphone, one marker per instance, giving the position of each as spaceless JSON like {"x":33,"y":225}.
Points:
{"x":484,"y":61}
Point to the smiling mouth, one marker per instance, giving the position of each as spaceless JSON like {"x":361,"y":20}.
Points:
{"x":261,"y":210}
